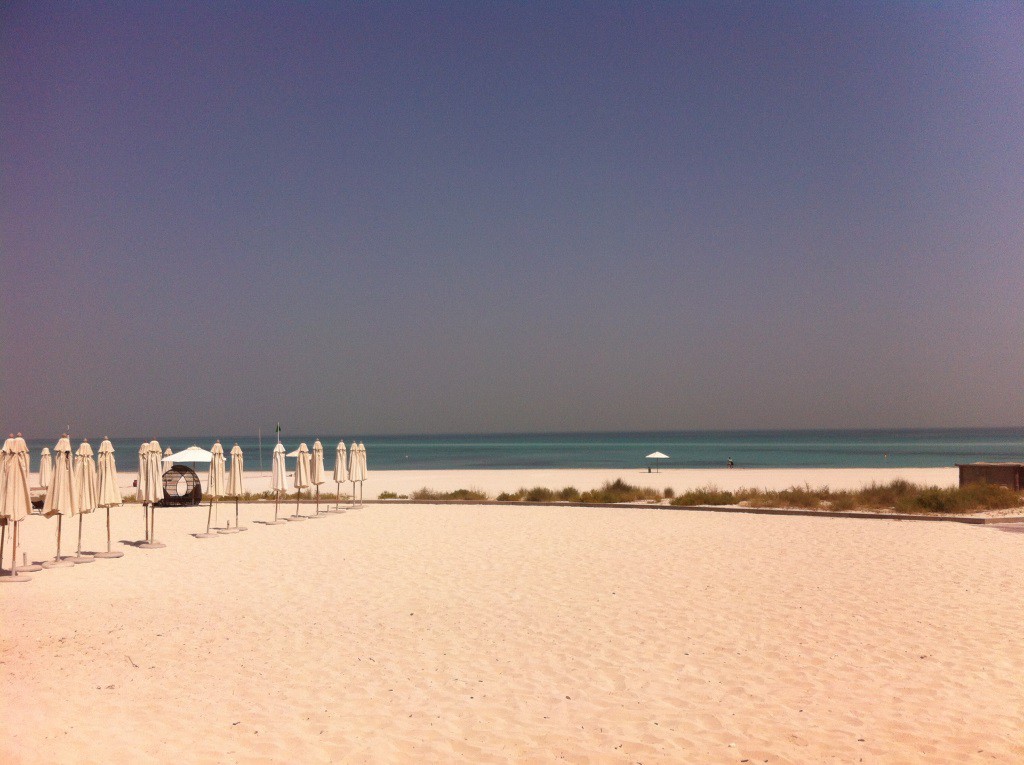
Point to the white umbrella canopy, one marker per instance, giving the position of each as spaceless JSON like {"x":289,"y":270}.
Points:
{"x":85,"y":476}
{"x":45,"y":468}
{"x":340,"y":463}
{"x":316,"y":470}
{"x":88,"y":492}
{"x":656,"y":456}
{"x":301,"y":479}
{"x":215,"y":483}
{"x":235,"y":482}
{"x":191,"y":454}
{"x":141,"y":479}
{"x":362,"y":459}
{"x":166,"y":461}
{"x":278,"y":479}
{"x":108,"y":494}
{"x":15,"y":500}
{"x":278,"y":473}
{"x":62,"y":498}
{"x":355,"y":469}
{"x":154,"y":491}
{"x":154,"y":474}
{"x":235,"y":473}
{"x":302,"y":467}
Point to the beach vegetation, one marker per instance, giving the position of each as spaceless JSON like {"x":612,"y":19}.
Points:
{"x":466,"y":494}
{"x":619,"y":491}
{"x":896,"y":496}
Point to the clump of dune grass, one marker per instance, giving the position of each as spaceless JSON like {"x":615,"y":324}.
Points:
{"x":619,"y":491}
{"x":899,"y":496}
{"x":426,"y":493}
{"x":707,"y":495}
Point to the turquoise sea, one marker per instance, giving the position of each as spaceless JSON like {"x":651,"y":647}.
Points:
{"x":686,"y":449}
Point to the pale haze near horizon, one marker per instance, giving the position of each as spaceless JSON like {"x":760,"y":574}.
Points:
{"x":401,"y":219}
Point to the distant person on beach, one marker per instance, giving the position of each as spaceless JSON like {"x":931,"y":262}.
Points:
{"x":731,"y":462}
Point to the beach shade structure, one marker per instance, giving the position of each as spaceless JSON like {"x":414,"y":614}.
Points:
{"x":316,"y":470}
{"x":15,"y":500}
{"x":191,"y":454}
{"x":214,"y":486}
{"x":4,"y":452}
{"x":88,"y":493}
{"x":62,"y":498}
{"x":340,"y":471}
{"x":356,"y":471}
{"x":363,"y":470}
{"x":45,"y":468}
{"x":108,"y":494}
{"x":154,"y":493}
{"x":655,"y":456}
{"x":235,"y":486}
{"x":277,"y":480}
{"x":167,"y":460}
{"x":143,"y":448}
{"x":301,"y":478}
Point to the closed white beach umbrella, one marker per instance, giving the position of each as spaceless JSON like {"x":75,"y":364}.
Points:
{"x":167,"y":460}
{"x":355,"y":470}
{"x":235,"y":484}
{"x":340,"y":469}
{"x":62,"y":498}
{"x":15,"y":499}
{"x":140,"y":479}
{"x":316,"y":470}
{"x":278,"y":478}
{"x":154,"y":492}
{"x":108,"y":492}
{"x":214,"y":485}
{"x":88,"y":492}
{"x":301,"y":481}
{"x":45,"y":468}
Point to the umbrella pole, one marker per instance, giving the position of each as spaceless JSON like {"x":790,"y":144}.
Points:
{"x":3,"y":538}
{"x":14,"y":550}
{"x":80,"y":519}
{"x":209,"y":516}
{"x":277,"y":504}
{"x":236,"y":512}
{"x":108,"y":529}
{"x":337,"y":505}
{"x":60,"y":520}
{"x":353,"y":494}
{"x":318,"y":499}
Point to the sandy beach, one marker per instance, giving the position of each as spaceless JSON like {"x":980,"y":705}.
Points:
{"x":407,"y":633}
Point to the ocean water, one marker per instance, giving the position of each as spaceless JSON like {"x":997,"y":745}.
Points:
{"x":686,"y":449}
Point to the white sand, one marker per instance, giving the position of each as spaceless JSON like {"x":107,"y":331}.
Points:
{"x":494,"y":634}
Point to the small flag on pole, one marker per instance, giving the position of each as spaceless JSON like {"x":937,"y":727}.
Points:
{"x":277,"y":431}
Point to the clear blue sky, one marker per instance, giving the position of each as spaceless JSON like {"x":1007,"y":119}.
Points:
{"x":401,"y":217}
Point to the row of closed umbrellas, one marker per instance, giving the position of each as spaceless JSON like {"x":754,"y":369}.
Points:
{"x":78,"y":484}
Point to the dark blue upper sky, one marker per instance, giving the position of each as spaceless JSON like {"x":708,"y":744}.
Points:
{"x":440,"y":217}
